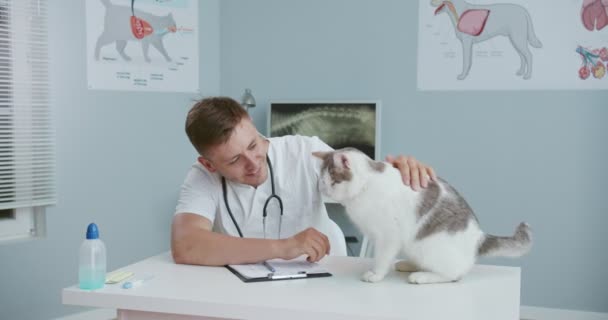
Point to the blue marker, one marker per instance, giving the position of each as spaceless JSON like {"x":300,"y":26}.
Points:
{"x":136,"y":282}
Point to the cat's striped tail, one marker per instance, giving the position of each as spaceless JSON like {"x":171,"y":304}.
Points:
{"x":515,"y":246}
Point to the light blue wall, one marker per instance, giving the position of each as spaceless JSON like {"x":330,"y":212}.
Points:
{"x":121,"y":157}
{"x":537,"y":156}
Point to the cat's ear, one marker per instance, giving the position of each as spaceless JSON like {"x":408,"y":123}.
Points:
{"x":319,"y":154}
{"x":344,"y":160}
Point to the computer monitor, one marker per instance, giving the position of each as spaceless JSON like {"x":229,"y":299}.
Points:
{"x":339,"y":124}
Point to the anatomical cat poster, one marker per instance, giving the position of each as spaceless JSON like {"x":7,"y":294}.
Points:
{"x":143,"y":45}
{"x":512,"y":44}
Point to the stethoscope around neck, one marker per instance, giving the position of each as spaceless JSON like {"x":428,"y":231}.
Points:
{"x":273,"y":195}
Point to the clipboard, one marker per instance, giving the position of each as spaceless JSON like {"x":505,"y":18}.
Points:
{"x":283,"y":270}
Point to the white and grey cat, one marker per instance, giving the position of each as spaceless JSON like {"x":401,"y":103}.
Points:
{"x":117,"y":29}
{"x":435,"y":229}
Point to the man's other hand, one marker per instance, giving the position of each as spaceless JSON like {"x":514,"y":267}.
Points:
{"x":309,"y":242}
{"x":413,"y":172}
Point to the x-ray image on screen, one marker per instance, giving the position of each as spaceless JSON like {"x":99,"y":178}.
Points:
{"x":337,"y":124}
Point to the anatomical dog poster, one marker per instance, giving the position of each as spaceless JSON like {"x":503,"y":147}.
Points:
{"x":143,"y":45}
{"x":512,"y":44}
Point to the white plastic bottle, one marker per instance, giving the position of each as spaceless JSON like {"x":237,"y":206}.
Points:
{"x":92,"y":267}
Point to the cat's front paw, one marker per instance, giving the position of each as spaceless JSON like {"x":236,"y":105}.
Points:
{"x":371,"y":276}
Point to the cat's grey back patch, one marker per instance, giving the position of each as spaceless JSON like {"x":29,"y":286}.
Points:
{"x":378,"y":166}
{"x":429,"y":197}
{"x":451,"y":214}
{"x":462,"y":202}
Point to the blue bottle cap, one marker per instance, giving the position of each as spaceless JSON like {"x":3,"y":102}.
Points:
{"x":92,"y":231}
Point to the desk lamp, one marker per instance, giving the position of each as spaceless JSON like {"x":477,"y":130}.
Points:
{"x":247,"y":100}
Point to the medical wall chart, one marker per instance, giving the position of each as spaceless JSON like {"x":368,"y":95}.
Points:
{"x":143,"y":45}
{"x":512,"y":44}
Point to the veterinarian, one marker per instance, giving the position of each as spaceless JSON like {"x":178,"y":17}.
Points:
{"x":249,"y":198}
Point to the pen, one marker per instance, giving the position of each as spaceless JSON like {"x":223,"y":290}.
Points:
{"x":269,"y":267}
{"x":136,"y":282}
{"x":287,"y":276}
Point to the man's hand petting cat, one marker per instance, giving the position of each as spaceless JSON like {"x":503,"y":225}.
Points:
{"x":413,"y":172}
{"x":309,"y":242}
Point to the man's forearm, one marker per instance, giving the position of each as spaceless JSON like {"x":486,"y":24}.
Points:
{"x":214,"y":249}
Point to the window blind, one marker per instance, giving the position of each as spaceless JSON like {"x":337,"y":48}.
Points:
{"x":27,"y":156}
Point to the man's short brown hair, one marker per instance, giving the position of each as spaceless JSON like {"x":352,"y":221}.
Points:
{"x":211,"y":121}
